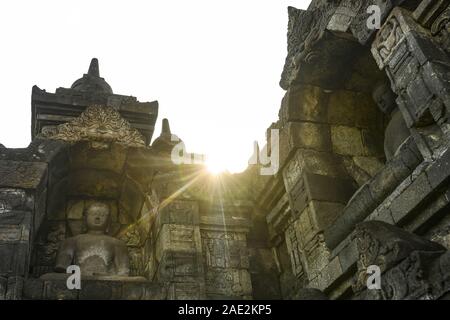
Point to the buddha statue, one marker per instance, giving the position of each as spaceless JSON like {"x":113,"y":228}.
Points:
{"x":99,"y":256}
{"x":396,"y":131}
{"x":96,"y":253}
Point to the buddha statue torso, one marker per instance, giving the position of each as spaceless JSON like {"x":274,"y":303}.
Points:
{"x":96,"y":253}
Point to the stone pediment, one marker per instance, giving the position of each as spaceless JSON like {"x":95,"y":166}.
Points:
{"x":97,"y":124}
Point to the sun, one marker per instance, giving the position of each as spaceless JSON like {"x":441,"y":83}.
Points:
{"x":224,"y":161}
{"x":215,"y":167}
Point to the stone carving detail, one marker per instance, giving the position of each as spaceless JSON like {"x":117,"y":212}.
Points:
{"x":47,"y":245}
{"x":225,"y":250}
{"x":99,"y":124}
{"x":389,"y":37}
{"x":441,"y":29}
{"x":404,"y":260}
{"x":409,"y":56}
{"x":305,"y":29}
{"x":293,"y":246}
{"x":344,"y":15}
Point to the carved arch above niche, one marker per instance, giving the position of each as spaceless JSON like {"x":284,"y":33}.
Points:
{"x":100,"y":125}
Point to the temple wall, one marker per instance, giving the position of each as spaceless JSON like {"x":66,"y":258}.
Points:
{"x":363,"y":178}
{"x":335,"y":173}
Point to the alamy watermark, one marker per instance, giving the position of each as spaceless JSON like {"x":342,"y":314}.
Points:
{"x":74,"y":280}
{"x":179,"y":155}
{"x":373,"y":22}
{"x":270,"y":162}
{"x":373,"y":281}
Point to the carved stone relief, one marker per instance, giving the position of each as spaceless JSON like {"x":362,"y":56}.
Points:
{"x":98,"y":124}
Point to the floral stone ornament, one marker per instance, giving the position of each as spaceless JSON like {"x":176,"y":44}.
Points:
{"x":100,"y":125}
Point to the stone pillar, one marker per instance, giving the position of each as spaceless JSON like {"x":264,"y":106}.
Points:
{"x":333,"y":148}
{"x":22,"y":209}
{"x":178,"y":250}
{"x":224,"y":230}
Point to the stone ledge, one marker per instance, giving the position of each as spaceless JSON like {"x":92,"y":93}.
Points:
{"x":37,"y":289}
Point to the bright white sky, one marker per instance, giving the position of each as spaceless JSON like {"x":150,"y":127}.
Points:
{"x":214,"y":66}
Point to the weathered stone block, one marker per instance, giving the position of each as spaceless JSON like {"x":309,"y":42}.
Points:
{"x":225,"y":249}
{"x":264,"y":274}
{"x":3,"y":285}
{"x":279,"y":215}
{"x":328,"y":274}
{"x":324,"y":213}
{"x":179,"y":266}
{"x":179,"y":212}
{"x":94,"y":183}
{"x":15,"y":199}
{"x":99,"y":290}
{"x":131,"y":198}
{"x":21,"y":174}
{"x":387,"y":179}
{"x":410,"y":198}
{"x":353,"y":109}
{"x":358,"y":208}
{"x":348,"y":256}
{"x":298,"y":197}
{"x":228,"y":282}
{"x":309,"y":135}
{"x":82,"y":156}
{"x":303,"y":103}
{"x":33,"y":289}
{"x":383,"y":214}
{"x":439,"y":171}
{"x":16,"y":217}
{"x":305,"y":228}
{"x":293,"y":171}
{"x":186,"y":291}
{"x":15,"y":288}
{"x":317,"y":256}
{"x":362,"y":169}
{"x":342,"y":108}
{"x":294,"y":249}
{"x":143,"y":291}
{"x":75,"y":209}
{"x":57,"y":193}
{"x":227,"y":214}
{"x":327,"y":188}
{"x":177,"y":238}
{"x":347,"y":141}
{"x":57,"y":290}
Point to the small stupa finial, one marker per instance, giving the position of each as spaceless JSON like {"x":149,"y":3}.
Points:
{"x":93,"y":68}
{"x":165,"y":127}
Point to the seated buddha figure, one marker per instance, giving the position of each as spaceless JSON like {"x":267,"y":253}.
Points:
{"x":96,"y":253}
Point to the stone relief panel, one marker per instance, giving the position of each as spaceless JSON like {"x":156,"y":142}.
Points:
{"x":441,"y":29}
{"x":226,"y":260}
{"x":389,"y":36}
{"x":405,"y":261}
{"x":98,"y":124}
{"x":225,"y":249}
{"x":294,"y":250}
{"x":46,"y":247}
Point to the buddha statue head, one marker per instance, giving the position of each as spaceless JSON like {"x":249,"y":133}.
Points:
{"x":97,"y":217}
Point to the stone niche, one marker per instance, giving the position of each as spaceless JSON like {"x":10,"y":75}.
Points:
{"x":88,"y":174}
{"x":183,"y":240}
{"x":92,"y":175}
